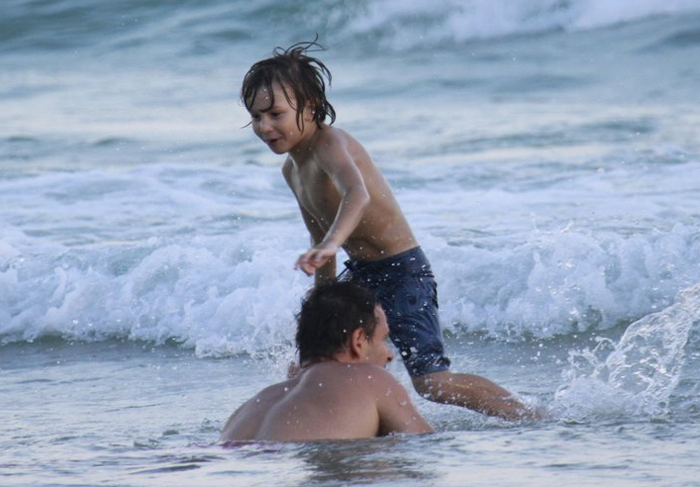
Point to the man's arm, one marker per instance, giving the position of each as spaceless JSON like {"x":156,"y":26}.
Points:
{"x":397,"y":413}
{"x":236,"y":428}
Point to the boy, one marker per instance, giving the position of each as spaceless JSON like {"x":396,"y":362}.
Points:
{"x":345,"y":202}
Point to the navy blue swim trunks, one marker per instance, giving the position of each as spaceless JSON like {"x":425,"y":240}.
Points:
{"x":406,"y":288}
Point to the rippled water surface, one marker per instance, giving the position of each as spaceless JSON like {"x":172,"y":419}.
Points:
{"x":547,"y":156}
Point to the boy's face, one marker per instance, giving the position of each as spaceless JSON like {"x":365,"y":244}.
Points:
{"x":276,"y":124}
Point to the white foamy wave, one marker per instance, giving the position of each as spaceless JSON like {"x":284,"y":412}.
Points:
{"x":562,"y":282}
{"x":196,"y":255}
{"x":400,"y":24}
{"x":220,"y":296}
{"x":224,"y":295}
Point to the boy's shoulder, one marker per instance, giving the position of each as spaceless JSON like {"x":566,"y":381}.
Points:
{"x":335,"y":144}
{"x":332,"y":149}
{"x":331,"y":136}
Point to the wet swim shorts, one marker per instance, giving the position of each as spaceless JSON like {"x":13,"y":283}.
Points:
{"x":406,"y":288}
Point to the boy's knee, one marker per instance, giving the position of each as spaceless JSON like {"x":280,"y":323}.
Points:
{"x":429,"y":386}
{"x":421,"y":387}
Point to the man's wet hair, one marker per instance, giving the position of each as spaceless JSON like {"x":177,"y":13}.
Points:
{"x":297,"y":72}
{"x":329,"y":315}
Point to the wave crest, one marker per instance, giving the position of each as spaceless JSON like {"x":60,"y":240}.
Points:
{"x":401,"y":24}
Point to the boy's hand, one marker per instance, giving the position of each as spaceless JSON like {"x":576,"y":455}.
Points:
{"x":315,"y":257}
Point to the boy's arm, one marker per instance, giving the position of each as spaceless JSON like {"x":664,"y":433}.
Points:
{"x":341,"y":168}
{"x":326,"y":272}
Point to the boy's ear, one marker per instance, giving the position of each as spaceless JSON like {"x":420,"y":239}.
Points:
{"x":309,"y":110}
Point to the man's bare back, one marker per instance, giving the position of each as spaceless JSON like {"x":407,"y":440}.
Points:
{"x":327,"y":400}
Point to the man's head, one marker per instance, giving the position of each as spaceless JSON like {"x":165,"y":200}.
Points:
{"x":342,"y":318}
{"x":300,"y":78}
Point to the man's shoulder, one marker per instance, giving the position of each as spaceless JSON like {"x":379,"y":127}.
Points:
{"x":360,"y":375}
{"x":380,"y":377}
{"x":273,"y":392}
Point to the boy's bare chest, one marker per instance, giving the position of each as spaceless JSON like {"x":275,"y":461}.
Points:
{"x":315,"y":192}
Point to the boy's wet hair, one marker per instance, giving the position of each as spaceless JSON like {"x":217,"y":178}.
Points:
{"x":329,"y":315}
{"x":294,"y":70}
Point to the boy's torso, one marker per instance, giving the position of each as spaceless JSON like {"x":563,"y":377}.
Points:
{"x":383,"y":230}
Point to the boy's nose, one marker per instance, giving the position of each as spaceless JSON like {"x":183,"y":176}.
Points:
{"x":265,"y":126}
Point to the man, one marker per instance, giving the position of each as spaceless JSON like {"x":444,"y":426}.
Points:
{"x":343,"y":389}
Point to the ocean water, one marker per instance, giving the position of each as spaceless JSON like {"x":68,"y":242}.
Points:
{"x":546,"y":153}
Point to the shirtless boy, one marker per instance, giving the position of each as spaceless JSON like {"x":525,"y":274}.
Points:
{"x":343,"y":390}
{"x":345,"y":202}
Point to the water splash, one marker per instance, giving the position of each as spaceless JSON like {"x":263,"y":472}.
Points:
{"x":638,"y":374}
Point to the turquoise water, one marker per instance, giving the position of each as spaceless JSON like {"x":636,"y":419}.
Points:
{"x":546,"y":153}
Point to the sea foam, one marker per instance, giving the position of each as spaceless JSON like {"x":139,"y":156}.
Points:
{"x":224,"y":295}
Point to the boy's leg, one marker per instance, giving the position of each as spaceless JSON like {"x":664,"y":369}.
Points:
{"x":473,"y":392}
{"x":411,"y":305}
